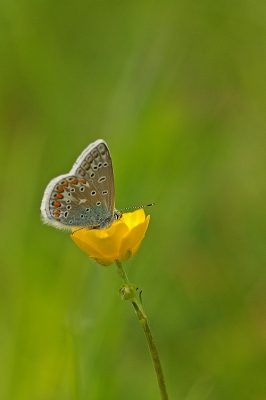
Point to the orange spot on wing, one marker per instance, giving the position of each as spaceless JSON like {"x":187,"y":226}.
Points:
{"x":75,"y":181}
{"x":65,"y":183}
{"x":57,"y":204}
{"x":59,"y":196}
{"x":83,"y":180}
{"x":60,"y":190}
{"x":57,"y":213}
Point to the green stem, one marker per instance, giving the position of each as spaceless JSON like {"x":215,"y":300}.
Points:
{"x":145,"y":326}
{"x":122,"y":273}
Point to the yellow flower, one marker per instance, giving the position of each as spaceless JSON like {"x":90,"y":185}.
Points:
{"x":119,"y":242}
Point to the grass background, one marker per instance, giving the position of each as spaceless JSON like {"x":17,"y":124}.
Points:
{"x":178,"y":91}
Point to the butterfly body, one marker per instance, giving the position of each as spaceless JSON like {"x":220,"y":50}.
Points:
{"x":85,"y":197}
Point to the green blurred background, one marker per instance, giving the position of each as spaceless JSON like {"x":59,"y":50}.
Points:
{"x":178,"y":91}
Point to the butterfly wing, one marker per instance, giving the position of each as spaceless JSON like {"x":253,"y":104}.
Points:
{"x":85,"y":196}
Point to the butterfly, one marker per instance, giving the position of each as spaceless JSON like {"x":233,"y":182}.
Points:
{"x":85,"y":197}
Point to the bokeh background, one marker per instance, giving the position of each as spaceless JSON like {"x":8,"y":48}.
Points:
{"x":178,"y":91}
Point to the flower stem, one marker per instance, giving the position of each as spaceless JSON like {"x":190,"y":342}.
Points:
{"x":122,"y":273}
{"x":145,"y":326}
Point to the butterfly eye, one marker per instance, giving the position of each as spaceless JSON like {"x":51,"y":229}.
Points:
{"x":81,"y":172}
{"x":89,"y":158}
{"x":85,"y":165}
{"x":101,"y":148}
{"x":95,"y":153}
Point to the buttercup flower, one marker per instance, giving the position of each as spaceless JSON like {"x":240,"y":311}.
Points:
{"x":119,"y":242}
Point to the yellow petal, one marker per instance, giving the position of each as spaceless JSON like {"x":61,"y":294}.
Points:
{"x":134,"y":218}
{"x":104,"y":263}
{"x":134,"y":236}
{"x":118,"y":242}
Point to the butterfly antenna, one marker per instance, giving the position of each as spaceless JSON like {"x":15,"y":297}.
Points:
{"x":137,"y":207}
